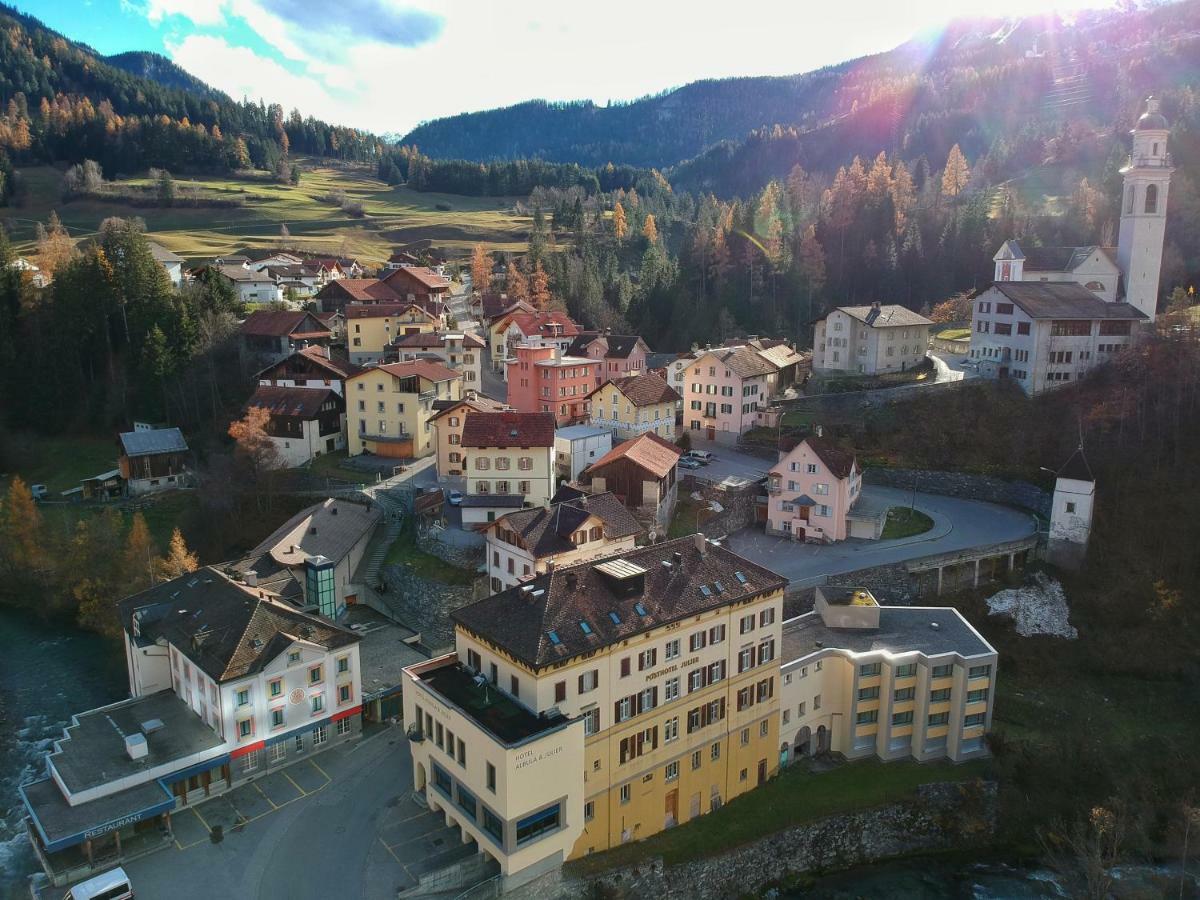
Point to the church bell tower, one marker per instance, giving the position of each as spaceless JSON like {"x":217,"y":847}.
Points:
{"x":1144,"y":210}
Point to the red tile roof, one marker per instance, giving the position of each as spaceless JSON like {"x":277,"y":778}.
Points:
{"x":481,"y":403}
{"x":508,"y":429}
{"x":422,"y":274}
{"x":649,"y":451}
{"x":643,"y":390}
{"x":532,"y":324}
{"x":362,"y":290}
{"x":282,"y":323}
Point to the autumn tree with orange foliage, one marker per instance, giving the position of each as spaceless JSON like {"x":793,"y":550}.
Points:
{"x":481,"y":269}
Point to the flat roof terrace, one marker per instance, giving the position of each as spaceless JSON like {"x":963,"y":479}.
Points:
{"x":902,"y":629}
{"x":489,"y":707}
{"x":92,"y":752}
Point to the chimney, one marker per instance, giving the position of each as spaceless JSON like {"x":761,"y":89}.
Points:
{"x":135,"y":745}
{"x":251,"y":578}
{"x":678,"y":558}
{"x":572,"y":581}
{"x":875,"y":305}
{"x":699,"y":539}
{"x":820,"y":430}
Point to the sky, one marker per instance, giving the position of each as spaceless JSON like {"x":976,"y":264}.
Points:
{"x":386,"y":65}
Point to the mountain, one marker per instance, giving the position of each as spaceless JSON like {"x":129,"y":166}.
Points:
{"x":974,"y":83}
{"x":60,"y":101}
{"x":161,"y":70}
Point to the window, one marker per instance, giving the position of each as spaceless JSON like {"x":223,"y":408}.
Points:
{"x":871,"y":693}
{"x":979,"y":672}
{"x":624,"y":793}
{"x":714,"y":752}
{"x":939,"y":696}
{"x":344,"y":726}
{"x":345,"y":693}
{"x":591,"y":721}
{"x":278,"y":751}
{"x":1070,"y":507}
{"x":1152,"y":198}
{"x":764,"y":727}
{"x":697,"y":641}
{"x":245,"y":728}
{"x":625,"y":667}
{"x":514,"y":685}
{"x":243,"y":696}
{"x":816,"y":702}
{"x":766,"y":617}
{"x":647,"y":659}
{"x":716,"y":634}
{"x":315,"y":675}
{"x":250,"y":761}
{"x":343,"y":665}
{"x":745,"y":736}
{"x":902,"y":718}
{"x":275,"y":685}
{"x":904,"y":694}
{"x":277,"y":717}
{"x":868,"y":717}
{"x":589,"y":811}
{"x":746,"y":623}
{"x":299,"y":743}
{"x":588,"y":680}
{"x":671,"y":651}
{"x":671,"y":689}
{"x":972,"y":720}
{"x":939,"y":718}
{"x":743,"y":775}
{"x":977,"y":696}
{"x":697,"y":760}
{"x":317,"y":701}
{"x":671,"y":729}
{"x":491,"y":778}
{"x":943,"y":671}
{"x":868,"y":670}
{"x":560,"y":691}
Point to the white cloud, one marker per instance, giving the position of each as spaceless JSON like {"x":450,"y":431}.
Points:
{"x":201,"y":12}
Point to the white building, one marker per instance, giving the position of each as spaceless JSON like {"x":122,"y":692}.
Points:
{"x":578,"y":446}
{"x":457,"y":350}
{"x":304,"y":422}
{"x":869,"y":340}
{"x":1094,"y":296}
{"x":1071,"y":511}
{"x":227,"y":683}
{"x":172,"y":264}
{"x":531,"y":542}
{"x":251,"y":286}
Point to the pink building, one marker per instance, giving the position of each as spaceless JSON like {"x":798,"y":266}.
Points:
{"x":542,"y":379}
{"x":724,"y":392}
{"x":811,"y":492}
{"x":616,"y":355}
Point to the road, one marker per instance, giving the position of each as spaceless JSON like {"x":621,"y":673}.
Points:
{"x":360,"y":835}
{"x":957,"y":525}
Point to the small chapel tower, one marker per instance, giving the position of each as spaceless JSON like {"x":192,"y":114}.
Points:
{"x":1144,"y":210}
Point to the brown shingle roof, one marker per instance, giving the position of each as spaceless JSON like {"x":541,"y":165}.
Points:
{"x":546,"y":531}
{"x":384,"y":310}
{"x":508,"y":429}
{"x":362,"y":290}
{"x":225,"y":628}
{"x":532,"y":324}
{"x":643,"y":390}
{"x":423,"y":368}
{"x":429,"y":339}
{"x":481,"y":403}
{"x":649,"y":451}
{"x":839,"y":461}
{"x":423,"y":274}
{"x":521,"y":619}
{"x":282,"y":323}
{"x":301,"y":402}
{"x":743,"y":362}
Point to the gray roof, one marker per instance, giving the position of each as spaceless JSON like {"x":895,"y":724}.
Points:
{"x":547,"y":531}
{"x":575,"y":432}
{"x":157,"y":440}
{"x":889,"y":315}
{"x":162,"y":254}
{"x":902,"y":629}
{"x":92,"y":751}
{"x":1063,"y":300}
{"x":57,"y":820}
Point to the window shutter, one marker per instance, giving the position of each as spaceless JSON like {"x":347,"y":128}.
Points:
{"x":617,"y":711}
{"x":581,"y":684}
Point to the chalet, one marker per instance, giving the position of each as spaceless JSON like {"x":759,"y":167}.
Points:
{"x":337,"y":294}
{"x":418,"y":284}
{"x":153,"y":459}
{"x":271,"y":335}
{"x":251,"y":286}
{"x":305,"y":422}
{"x":371,"y":327}
{"x":312,"y":367}
{"x":641,"y":472}
{"x":531,"y":542}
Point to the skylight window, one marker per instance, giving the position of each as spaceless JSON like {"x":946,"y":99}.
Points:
{"x":616,"y":620}
{"x":639,"y":609}
{"x":705,"y":590}
{"x":720,"y":587}
{"x":740,"y":577}
{"x":585,"y":627}
{"x":554,"y":639}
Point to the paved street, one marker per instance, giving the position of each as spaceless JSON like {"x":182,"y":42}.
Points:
{"x":957,"y":525}
{"x":342,"y":825}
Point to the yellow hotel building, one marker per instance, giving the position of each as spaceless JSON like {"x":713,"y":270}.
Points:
{"x":600,"y":703}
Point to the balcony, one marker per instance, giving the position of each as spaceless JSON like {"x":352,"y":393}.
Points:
{"x":385,"y":438}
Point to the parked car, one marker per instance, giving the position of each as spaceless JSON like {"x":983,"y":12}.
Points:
{"x":39,"y":491}
{"x":111,"y":885}
{"x":686,"y":462}
{"x":701,"y":456}
{"x":455,"y":498}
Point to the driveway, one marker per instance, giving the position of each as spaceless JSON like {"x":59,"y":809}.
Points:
{"x":344,"y":826}
{"x":957,"y":525}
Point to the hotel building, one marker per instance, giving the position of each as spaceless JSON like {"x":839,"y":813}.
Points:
{"x":600,"y":703}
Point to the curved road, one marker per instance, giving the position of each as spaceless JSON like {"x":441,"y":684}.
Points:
{"x":957,"y":525}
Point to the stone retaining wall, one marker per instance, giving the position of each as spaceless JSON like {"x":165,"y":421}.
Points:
{"x":738,"y":504}
{"x":965,"y":485}
{"x":942,"y":816}
{"x":424,"y":605}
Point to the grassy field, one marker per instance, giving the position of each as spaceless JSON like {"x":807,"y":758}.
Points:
{"x":795,"y":797}
{"x":394,"y":215}
{"x":60,"y":462}
{"x":405,"y":552}
{"x":954,"y":334}
{"x":904,"y":522}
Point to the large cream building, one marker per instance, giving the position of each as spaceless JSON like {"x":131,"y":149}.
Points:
{"x":894,"y":682}
{"x":389,"y":407}
{"x":601,"y":703}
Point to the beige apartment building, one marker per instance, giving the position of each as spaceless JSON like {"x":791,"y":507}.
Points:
{"x":372,"y":327}
{"x":600,"y":703}
{"x":870,"y":340}
{"x":895,"y":682}
{"x":508,"y":461}
{"x":389,"y":407}
{"x":448,"y":424}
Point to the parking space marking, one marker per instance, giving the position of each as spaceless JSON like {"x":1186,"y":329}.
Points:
{"x":264,"y":796}
{"x":324,"y":774}
{"x":392,"y":854}
{"x":303,"y":792}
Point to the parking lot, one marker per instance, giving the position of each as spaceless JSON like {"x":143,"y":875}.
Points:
{"x":727,"y":462}
{"x":247,"y":803}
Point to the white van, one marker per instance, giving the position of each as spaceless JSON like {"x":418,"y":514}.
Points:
{"x":112,"y":885}
{"x":701,"y":456}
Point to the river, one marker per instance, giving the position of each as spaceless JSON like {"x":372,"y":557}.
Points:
{"x":48,"y":673}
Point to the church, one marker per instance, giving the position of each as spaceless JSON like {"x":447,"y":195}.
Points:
{"x":1053,"y":313}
